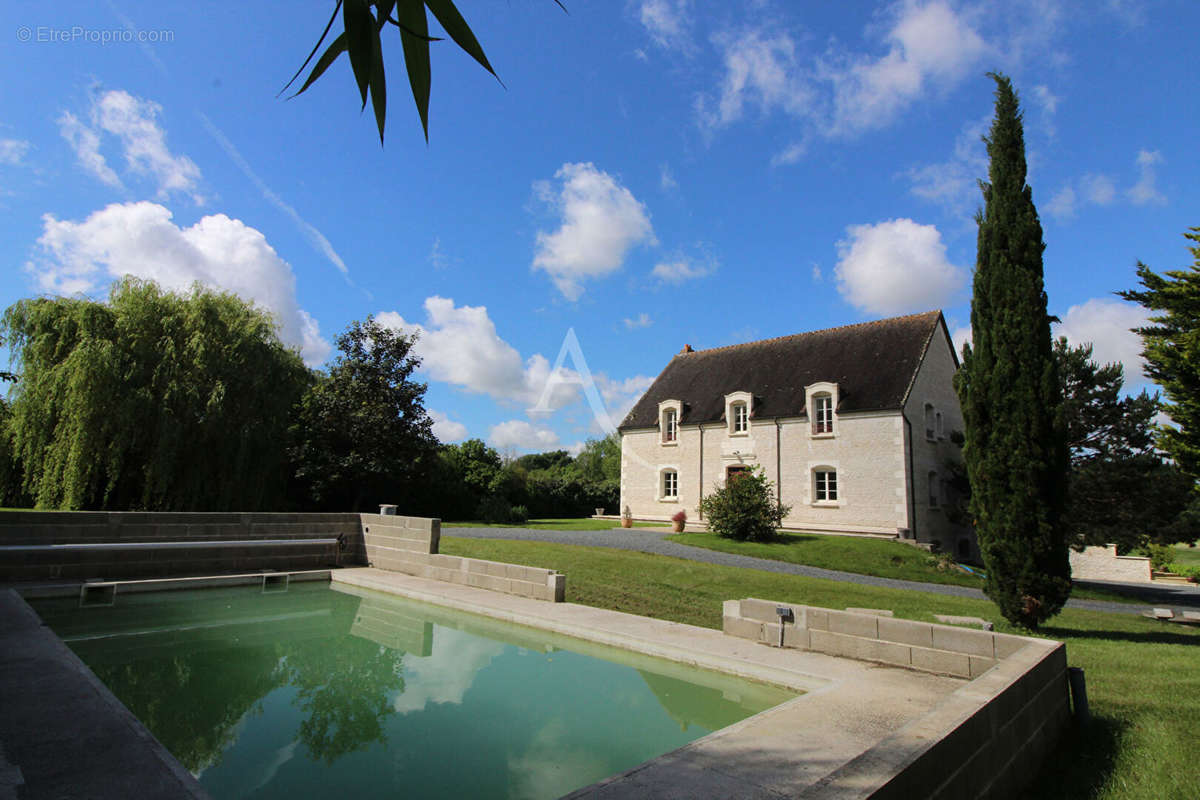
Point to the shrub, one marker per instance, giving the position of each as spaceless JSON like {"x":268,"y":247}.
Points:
{"x":495,"y":509}
{"x":1160,"y":556}
{"x":744,"y":508}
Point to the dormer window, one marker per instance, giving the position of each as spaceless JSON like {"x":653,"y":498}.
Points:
{"x":669,"y":413}
{"x":739,"y":406}
{"x":823,"y":414}
{"x":822,"y":408}
{"x":741,"y":418}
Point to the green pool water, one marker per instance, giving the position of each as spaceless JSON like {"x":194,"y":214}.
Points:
{"x":325,"y":691}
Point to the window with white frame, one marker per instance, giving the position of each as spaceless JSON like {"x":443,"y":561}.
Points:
{"x":670,"y":425}
{"x":741,"y":417}
{"x":930,"y":425}
{"x":935,"y":491}
{"x":823,"y":413}
{"x":825,"y":486}
{"x":670,"y":484}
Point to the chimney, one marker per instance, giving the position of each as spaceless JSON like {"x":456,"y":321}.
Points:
{"x":687,"y":348}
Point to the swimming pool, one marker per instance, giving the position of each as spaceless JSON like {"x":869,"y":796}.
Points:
{"x":323,"y":690}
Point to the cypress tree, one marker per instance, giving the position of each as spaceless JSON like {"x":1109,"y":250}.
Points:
{"x":1015,"y":448}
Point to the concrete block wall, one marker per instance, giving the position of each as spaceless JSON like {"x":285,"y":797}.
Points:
{"x":70,"y":527}
{"x":410,"y":545}
{"x":986,"y":740}
{"x":1103,"y":564}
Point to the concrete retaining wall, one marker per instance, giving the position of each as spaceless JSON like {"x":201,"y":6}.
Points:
{"x":72,"y":527}
{"x":1103,"y":564}
{"x":986,"y":740}
{"x":410,"y":545}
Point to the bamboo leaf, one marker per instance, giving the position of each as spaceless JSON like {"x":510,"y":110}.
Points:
{"x":337,"y":7}
{"x":336,"y":48}
{"x":414,"y":35}
{"x":378,"y":81}
{"x":360,"y":29}
{"x":449,"y":18}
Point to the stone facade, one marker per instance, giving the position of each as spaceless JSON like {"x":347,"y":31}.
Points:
{"x":883,"y":460}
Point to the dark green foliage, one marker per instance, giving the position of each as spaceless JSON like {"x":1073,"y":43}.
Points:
{"x":1015,"y":446}
{"x":363,"y":436}
{"x":363,"y":22}
{"x":1171,"y":347}
{"x":153,"y":400}
{"x":1122,"y":491}
{"x":745,"y":508}
{"x":471,"y":481}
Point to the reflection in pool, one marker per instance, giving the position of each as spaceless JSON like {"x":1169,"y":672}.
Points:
{"x":324,"y":690}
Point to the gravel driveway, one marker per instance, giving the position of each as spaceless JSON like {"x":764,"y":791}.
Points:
{"x":650,"y":540}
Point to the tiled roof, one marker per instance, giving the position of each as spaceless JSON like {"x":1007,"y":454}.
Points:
{"x":873,"y":364}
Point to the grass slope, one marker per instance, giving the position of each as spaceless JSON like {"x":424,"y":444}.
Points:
{"x":1143,"y":678}
{"x":883,"y":557}
{"x":566,"y":524}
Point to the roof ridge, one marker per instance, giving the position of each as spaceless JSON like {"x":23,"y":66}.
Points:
{"x":811,"y":333}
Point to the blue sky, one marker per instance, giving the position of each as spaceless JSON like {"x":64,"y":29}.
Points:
{"x":652,"y":173}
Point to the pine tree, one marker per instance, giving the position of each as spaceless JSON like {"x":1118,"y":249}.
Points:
{"x":1171,"y":347}
{"x":1015,"y":447}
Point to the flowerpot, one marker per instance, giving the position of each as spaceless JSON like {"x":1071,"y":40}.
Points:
{"x":677,"y":527}
{"x":626,"y":522}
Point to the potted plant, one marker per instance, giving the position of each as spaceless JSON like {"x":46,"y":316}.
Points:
{"x":678,"y":521}
{"x":627,"y":518}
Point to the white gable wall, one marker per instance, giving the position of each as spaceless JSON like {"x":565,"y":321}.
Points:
{"x":934,"y":385}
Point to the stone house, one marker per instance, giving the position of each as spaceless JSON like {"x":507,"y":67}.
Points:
{"x":853,"y":425}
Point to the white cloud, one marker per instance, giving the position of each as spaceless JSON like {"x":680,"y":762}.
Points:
{"x":681,"y":270}
{"x":666,"y":180}
{"x":86,"y":144}
{"x":134,"y":123}
{"x":960,"y":337}
{"x":460,"y":346}
{"x":760,"y":70}
{"x":12,"y":151}
{"x":1046,"y":99}
{"x":895,"y":267}
{"x":140,"y":239}
{"x":445,"y":429}
{"x":668,"y":23}
{"x":642,"y":320}
{"x":1145,"y":192}
{"x":1106,"y":324}
{"x":929,"y":43}
{"x":522,"y":435}
{"x":954,"y":183}
{"x":601,"y":221}
{"x":790,"y":154}
{"x":1098,"y":189}
{"x":1062,"y":204}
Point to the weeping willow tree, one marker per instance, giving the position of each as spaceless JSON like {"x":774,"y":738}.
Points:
{"x":154,"y":400}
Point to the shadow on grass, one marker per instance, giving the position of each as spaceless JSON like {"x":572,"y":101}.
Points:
{"x":791,"y":538}
{"x":1151,"y":637}
{"x":1080,"y":767}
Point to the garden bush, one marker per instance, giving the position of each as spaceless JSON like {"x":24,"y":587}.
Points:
{"x":744,"y":508}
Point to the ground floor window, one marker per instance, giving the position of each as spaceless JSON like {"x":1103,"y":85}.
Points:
{"x":826,"y":488}
{"x":670,"y":483}
{"x":733,"y":473}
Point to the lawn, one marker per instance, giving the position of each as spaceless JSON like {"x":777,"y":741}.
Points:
{"x":577,"y":524}
{"x":1185,"y":556}
{"x":883,"y":557}
{"x":1143,"y":678}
